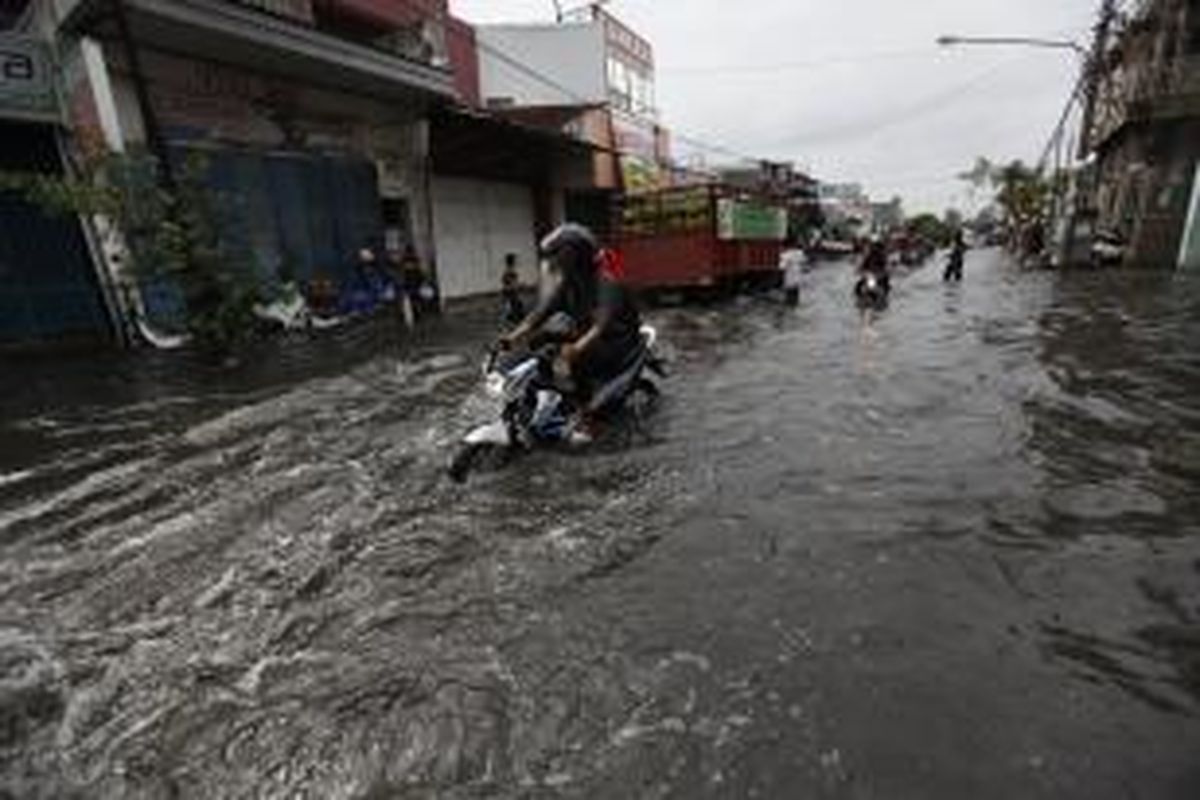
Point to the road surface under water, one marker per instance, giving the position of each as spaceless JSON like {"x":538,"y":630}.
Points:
{"x":951,"y":550}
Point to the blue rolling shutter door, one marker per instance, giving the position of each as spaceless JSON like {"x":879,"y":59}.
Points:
{"x":309,"y":213}
{"x":359,"y":217}
{"x":286,"y":176}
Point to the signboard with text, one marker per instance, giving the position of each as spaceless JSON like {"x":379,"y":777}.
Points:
{"x":26,"y":78}
{"x":749,"y":221}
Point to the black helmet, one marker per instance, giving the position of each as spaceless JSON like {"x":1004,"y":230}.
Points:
{"x":571,"y":235}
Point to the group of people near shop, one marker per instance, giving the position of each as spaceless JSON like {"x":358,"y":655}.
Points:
{"x":373,"y":283}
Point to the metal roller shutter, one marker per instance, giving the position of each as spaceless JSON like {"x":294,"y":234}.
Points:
{"x":476,"y":224}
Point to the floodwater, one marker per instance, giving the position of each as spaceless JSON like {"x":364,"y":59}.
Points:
{"x":950,"y":550}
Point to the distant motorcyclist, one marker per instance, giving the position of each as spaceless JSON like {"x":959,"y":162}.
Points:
{"x":875,"y":262}
{"x":607,"y":325}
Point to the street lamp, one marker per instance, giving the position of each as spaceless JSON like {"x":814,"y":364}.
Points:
{"x":1025,"y":41}
{"x":1089,"y":82}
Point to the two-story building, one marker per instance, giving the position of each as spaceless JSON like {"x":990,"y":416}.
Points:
{"x":1146,"y":135}
{"x":592,"y":77}
{"x":312,"y":115}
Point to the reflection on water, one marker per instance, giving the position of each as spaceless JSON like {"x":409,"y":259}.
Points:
{"x":848,"y":542}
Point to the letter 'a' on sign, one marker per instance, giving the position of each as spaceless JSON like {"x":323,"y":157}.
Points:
{"x":16,"y":67}
{"x":26,"y":78}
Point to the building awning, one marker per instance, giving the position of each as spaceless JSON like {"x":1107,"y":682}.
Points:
{"x":219,"y":30}
{"x":474,"y":144}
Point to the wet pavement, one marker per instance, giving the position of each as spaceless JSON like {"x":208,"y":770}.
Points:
{"x":951,"y":550}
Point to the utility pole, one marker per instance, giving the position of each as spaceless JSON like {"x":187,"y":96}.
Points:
{"x":1092,"y":77}
{"x":1095,"y":74}
{"x":154,"y":137}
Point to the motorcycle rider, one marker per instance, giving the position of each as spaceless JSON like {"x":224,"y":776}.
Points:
{"x":607,"y":325}
{"x":875,"y":263}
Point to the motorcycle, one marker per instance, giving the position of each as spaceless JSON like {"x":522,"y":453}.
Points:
{"x":1108,"y":249}
{"x":536,"y":409}
{"x":871,"y":291}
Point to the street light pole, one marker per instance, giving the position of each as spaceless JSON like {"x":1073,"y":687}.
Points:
{"x":1092,"y":77}
{"x":1088,"y":86}
{"x":1021,"y":41}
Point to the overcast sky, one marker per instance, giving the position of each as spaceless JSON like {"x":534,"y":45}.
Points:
{"x":855,"y":90}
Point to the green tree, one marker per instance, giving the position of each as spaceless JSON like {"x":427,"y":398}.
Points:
{"x":168,"y":235}
{"x":930,"y":228}
{"x":1020,"y":193}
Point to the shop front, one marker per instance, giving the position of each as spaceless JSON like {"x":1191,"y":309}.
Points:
{"x":314,"y":146}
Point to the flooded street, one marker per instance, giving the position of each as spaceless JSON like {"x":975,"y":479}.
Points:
{"x":949,"y":551}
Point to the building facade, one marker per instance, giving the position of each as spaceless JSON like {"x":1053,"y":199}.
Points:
{"x":49,"y":289}
{"x":591,"y":76}
{"x":311,"y":117}
{"x":846,"y":209}
{"x":1146,"y":135}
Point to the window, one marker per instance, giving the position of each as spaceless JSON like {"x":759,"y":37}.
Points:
{"x":629,"y":88}
{"x":619,"y":84}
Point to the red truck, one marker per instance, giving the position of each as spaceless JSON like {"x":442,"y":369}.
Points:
{"x":700,"y":237}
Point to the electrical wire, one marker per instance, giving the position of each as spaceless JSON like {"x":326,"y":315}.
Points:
{"x":893,"y":117}
{"x":785,"y":66}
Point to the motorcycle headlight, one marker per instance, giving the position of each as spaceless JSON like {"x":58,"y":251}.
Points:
{"x":496,"y":386}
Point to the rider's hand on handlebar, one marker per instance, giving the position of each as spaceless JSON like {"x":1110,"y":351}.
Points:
{"x":569,"y":353}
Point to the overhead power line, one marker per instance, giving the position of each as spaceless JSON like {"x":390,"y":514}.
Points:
{"x":829,"y":60}
{"x":895,"y":116}
{"x":785,"y":66}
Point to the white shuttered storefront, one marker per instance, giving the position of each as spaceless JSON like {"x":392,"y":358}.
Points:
{"x":475,"y":224}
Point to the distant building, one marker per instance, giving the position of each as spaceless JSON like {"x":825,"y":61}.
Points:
{"x":887,"y":217}
{"x":846,"y":208}
{"x":1146,"y":136}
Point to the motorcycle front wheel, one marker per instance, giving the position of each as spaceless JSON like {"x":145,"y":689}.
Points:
{"x":641,"y":404}
{"x":463,"y":462}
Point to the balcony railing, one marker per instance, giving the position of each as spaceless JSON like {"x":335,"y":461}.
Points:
{"x":413,"y":29}
{"x":1146,"y":91}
